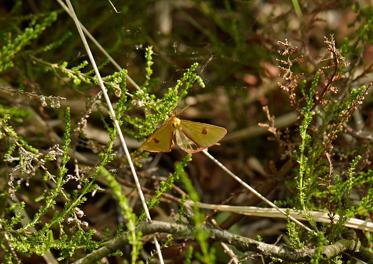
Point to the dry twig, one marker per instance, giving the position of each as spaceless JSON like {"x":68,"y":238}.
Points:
{"x":242,"y":243}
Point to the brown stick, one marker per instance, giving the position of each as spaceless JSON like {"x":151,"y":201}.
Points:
{"x":242,"y":243}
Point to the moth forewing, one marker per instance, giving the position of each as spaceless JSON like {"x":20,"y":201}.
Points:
{"x":190,"y":136}
{"x":160,"y":140}
{"x":204,"y":135}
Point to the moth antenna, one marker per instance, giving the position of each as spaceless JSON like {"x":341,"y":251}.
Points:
{"x":203,"y":67}
{"x":177,"y":113}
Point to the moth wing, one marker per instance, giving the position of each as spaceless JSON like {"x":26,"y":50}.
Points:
{"x":160,"y":140}
{"x":203,"y":135}
{"x":186,"y":143}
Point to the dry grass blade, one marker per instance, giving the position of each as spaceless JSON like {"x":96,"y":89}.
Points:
{"x":116,"y":123}
{"x":255,"y":192}
{"x":321,"y":217}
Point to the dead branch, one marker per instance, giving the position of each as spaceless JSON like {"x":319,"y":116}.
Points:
{"x":242,"y":243}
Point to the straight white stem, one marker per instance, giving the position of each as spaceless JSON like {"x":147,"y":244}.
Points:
{"x":98,"y":45}
{"x":253,"y":191}
{"x":116,"y":123}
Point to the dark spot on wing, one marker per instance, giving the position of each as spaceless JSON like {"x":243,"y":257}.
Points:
{"x":204,"y":131}
{"x":155,"y":140}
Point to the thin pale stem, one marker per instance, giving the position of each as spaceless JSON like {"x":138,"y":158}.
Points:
{"x":116,"y":123}
{"x":98,"y":45}
{"x":318,"y":216}
{"x":255,"y":192}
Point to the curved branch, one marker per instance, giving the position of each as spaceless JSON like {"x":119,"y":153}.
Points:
{"x":242,"y":243}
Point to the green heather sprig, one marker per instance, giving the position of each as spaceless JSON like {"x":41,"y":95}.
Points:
{"x":295,"y":240}
{"x":157,"y":109}
{"x":13,"y":47}
{"x":188,"y":255}
{"x":208,"y":254}
{"x":131,"y":219}
{"x":50,"y":198}
{"x":303,"y":161}
{"x":320,"y":242}
{"x":167,"y":185}
{"x":148,"y":68}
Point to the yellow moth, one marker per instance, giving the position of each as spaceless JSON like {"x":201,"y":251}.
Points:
{"x":190,"y":136}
